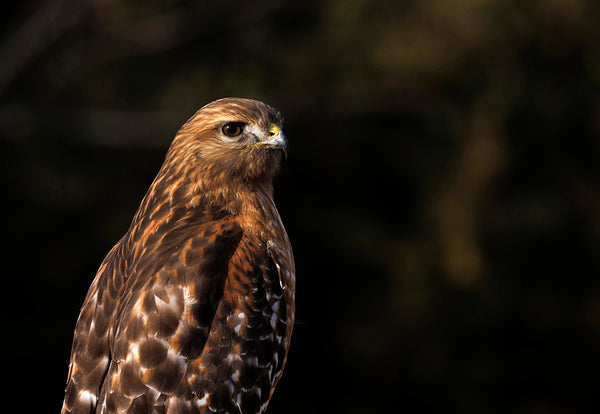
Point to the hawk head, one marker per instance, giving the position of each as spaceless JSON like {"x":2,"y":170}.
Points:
{"x":232,"y":141}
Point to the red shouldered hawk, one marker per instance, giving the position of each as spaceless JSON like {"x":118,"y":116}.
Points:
{"x":192,"y":310}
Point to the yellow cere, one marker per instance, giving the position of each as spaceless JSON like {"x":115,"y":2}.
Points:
{"x":273,"y":130}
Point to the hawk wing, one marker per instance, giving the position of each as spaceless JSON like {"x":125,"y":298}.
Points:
{"x":135,"y":334}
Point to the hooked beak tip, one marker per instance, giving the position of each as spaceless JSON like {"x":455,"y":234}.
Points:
{"x":279,"y":141}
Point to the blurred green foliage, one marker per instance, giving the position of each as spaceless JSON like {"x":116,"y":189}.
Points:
{"x":442,"y":191}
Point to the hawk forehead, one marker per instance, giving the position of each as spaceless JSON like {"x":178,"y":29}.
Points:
{"x":242,"y":110}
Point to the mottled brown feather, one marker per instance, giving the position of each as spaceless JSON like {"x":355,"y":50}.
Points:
{"x":192,"y":310}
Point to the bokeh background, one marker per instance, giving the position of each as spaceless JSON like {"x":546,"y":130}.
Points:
{"x":442,"y":192}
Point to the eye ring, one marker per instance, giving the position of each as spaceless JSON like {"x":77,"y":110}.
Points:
{"x":232,"y":129}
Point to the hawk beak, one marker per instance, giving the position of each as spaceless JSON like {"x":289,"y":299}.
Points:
{"x":277,"y":140}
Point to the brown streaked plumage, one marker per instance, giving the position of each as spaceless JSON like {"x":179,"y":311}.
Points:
{"x":192,"y":310}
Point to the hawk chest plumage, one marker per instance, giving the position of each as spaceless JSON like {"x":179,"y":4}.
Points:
{"x":192,"y":311}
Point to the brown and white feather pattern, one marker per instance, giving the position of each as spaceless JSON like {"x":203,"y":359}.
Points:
{"x":192,"y":310}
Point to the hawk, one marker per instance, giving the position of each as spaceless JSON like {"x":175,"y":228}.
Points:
{"x":192,"y":310}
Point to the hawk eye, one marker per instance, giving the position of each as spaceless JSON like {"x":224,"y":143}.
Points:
{"x":232,"y":129}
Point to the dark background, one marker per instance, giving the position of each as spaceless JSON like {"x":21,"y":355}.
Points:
{"x":442,"y":190}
